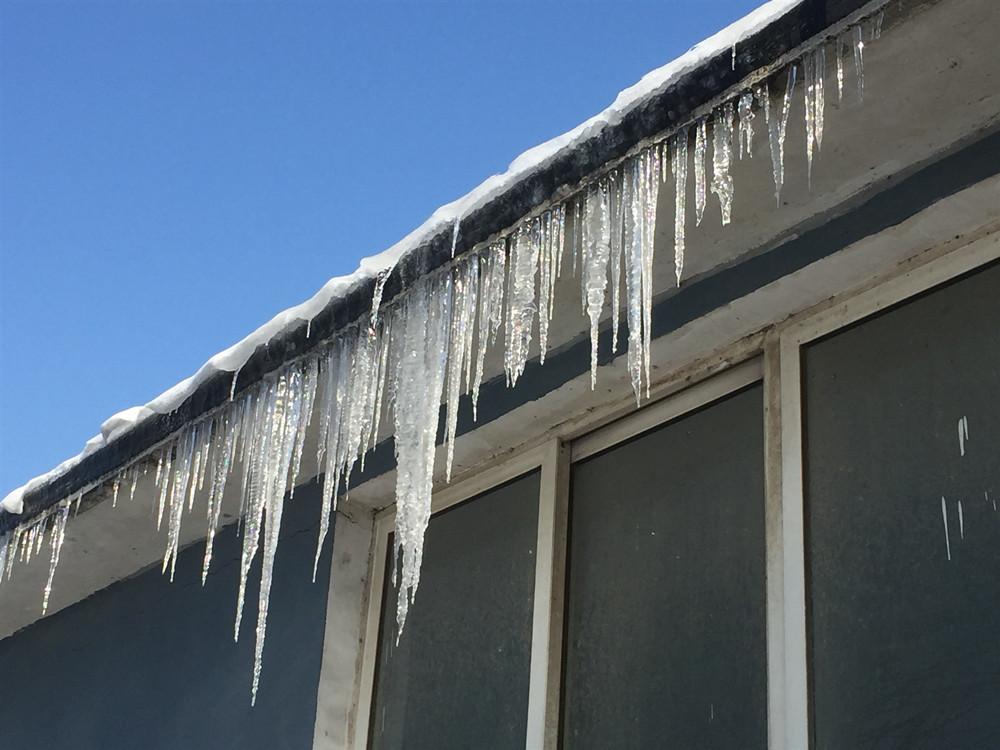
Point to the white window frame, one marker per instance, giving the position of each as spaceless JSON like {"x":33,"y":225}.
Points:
{"x":773,"y":358}
{"x":788,"y":667}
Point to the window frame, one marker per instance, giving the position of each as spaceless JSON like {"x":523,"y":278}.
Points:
{"x":772,"y":357}
{"x":792,"y":720}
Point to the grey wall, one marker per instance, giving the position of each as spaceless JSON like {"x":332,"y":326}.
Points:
{"x":150,"y":664}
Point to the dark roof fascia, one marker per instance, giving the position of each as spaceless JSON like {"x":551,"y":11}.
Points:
{"x":658,"y":114}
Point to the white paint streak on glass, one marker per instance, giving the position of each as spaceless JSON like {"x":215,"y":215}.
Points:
{"x":944,"y":516}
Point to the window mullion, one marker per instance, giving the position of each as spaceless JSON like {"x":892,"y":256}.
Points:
{"x":795,"y":685}
{"x":550,"y":578}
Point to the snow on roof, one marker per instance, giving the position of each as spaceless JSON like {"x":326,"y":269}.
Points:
{"x":447,"y":216}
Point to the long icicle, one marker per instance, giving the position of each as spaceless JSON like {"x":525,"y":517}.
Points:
{"x":418,"y":384}
{"x":57,"y":535}
{"x":700,"y":146}
{"x":679,"y":166}
{"x":777,"y":127}
{"x":722,"y":157}
{"x":284,"y":425}
{"x":520,"y":301}
{"x":596,"y":252}
{"x":746,"y":116}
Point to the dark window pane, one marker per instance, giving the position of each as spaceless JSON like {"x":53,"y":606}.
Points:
{"x":459,"y":677}
{"x":666,"y":643}
{"x":904,"y":642}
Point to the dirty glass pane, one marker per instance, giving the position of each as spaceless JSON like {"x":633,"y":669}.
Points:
{"x":459,"y":677}
{"x":665,"y":633}
{"x":903,"y":536}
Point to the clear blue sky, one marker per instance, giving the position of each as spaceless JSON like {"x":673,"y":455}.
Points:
{"x":173,"y":174}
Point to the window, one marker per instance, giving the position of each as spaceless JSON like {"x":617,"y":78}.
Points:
{"x":459,"y":677}
{"x":902,"y":428}
{"x":665,"y":617}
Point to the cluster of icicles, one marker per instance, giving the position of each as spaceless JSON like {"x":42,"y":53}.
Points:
{"x":427,"y":347}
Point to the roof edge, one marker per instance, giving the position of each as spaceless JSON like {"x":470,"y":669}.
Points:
{"x":557,"y":179}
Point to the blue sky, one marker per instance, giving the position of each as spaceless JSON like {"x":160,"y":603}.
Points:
{"x":173,"y":174}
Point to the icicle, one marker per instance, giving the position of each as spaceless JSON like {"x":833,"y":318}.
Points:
{"x":133,"y":483}
{"x":232,"y":385}
{"x":520,"y":302}
{"x":722,"y":156}
{"x":163,"y":473}
{"x":734,"y":56}
{"x":469,"y":316}
{"x":178,"y":494}
{"x":840,"y":69}
{"x":261,"y":436}
{"x":560,"y":218}
{"x":28,"y":548}
{"x":285,"y":424}
{"x":418,"y":383}
{"x":819,"y":101}
{"x":577,"y":229}
{"x":596,"y":251}
{"x":548,"y":259}
{"x":700,"y":145}
{"x":224,"y":451}
{"x":5,"y":551}
{"x":462,"y":324}
{"x":362,"y":358}
{"x":679,"y":166}
{"x":633,"y":270}
{"x":651,"y":192}
{"x":491,"y":289}
{"x":877,"y":30}
{"x":310,"y":382}
{"x":859,"y":61}
{"x":199,"y":464}
{"x":334,"y":372}
{"x":40,"y":536}
{"x":615,"y":206}
{"x":777,"y":128}
{"x":11,"y":545}
{"x":746,"y":124}
{"x":57,"y":535}
{"x":383,"y":361}
{"x":814,"y":65}
{"x":115,"y":486}
{"x":454,"y":236}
